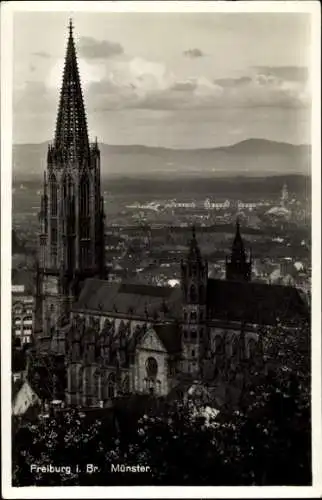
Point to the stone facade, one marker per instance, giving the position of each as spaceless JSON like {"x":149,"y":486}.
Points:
{"x":107,"y":358}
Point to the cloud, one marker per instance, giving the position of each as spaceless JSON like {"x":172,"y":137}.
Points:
{"x":183,"y":85}
{"x":193,"y":53}
{"x":292,"y":73}
{"x":143,"y":84}
{"x":90,"y":71}
{"x":137,"y":83}
{"x":33,"y":97}
{"x":42,"y":54}
{"x":91,"y":48}
{"x":233,"y":82}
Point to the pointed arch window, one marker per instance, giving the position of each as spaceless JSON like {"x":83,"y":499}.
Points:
{"x":193,"y":316}
{"x":53,"y":194}
{"x":151,"y":366}
{"x":54,"y":234}
{"x":193,"y":294}
{"x":87,"y":385}
{"x":252,"y":349}
{"x":63,"y":204}
{"x":84,"y":195}
{"x":64,"y":188}
{"x":234,"y":348}
{"x":70,"y":185}
{"x":97,"y":385}
{"x":71,"y":204}
{"x":126,"y":385}
{"x":111,"y":386}
{"x":219,"y":345}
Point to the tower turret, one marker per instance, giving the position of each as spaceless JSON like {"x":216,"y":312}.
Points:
{"x":239,"y":267}
{"x":194,"y":278}
{"x":284,"y":196}
{"x":72,"y":208}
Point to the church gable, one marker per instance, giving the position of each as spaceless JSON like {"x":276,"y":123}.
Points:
{"x":151,"y":342}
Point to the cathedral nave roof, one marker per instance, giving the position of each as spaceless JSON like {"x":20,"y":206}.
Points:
{"x":128,"y":299}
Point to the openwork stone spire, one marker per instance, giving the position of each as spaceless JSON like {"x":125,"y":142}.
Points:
{"x":71,"y":139}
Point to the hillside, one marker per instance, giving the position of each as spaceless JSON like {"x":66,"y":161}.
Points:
{"x":250,"y":157}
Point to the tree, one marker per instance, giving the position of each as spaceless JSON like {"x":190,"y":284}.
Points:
{"x":265,"y":442}
{"x":277,"y":406}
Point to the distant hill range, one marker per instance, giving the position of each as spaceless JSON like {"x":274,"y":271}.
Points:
{"x":249,"y":157}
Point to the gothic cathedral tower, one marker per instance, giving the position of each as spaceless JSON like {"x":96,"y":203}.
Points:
{"x":194,"y":278}
{"x":238,"y":268}
{"x":72,"y":211}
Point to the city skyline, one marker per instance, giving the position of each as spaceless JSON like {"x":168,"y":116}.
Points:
{"x":178,"y":94}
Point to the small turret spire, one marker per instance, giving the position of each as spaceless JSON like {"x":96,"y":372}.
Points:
{"x":238,"y":251}
{"x":194,"y":250}
{"x":238,"y":267}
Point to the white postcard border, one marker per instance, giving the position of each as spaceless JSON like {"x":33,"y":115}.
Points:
{"x":7,"y":11}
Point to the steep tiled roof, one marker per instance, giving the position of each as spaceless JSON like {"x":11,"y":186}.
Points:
{"x":131,"y":299}
{"x":170,"y":336}
{"x":227,"y":300}
{"x":255,"y":302}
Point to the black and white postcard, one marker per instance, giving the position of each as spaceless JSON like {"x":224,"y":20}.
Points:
{"x":161,"y":250}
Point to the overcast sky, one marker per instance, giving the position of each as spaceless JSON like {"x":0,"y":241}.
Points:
{"x":177,"y":80}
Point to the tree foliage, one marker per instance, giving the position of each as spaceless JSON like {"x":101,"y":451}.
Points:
{"x":265,"y":442}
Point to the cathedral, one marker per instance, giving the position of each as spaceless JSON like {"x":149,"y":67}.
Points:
{"x":111,"y":339}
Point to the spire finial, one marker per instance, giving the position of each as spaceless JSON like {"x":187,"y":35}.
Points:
{"x":71,"y":27}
